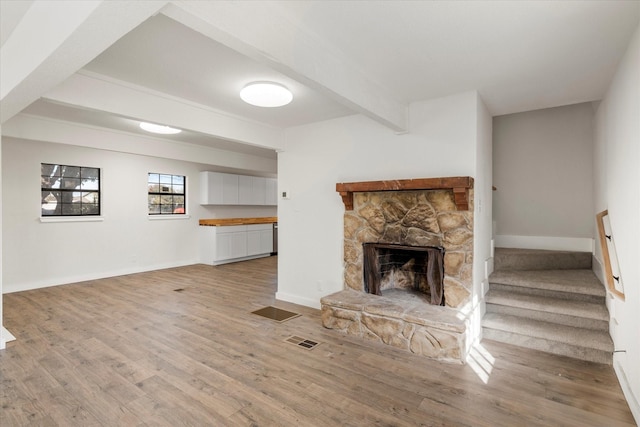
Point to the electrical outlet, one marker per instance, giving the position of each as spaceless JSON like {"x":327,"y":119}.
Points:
{"x":285,"y":194}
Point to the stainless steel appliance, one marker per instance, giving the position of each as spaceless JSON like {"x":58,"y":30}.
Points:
{"x":275,"y":239}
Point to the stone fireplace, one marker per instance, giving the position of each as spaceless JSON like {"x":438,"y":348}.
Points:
{"x":422,"y":231}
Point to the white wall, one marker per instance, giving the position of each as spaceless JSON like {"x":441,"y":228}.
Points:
{"x":542,"y":168}
{"x":2,"y":333}
{"x":37,"y":254}
{"x":618,"y":190}
{"x":482,"y":256}
{"x":441,"y":142}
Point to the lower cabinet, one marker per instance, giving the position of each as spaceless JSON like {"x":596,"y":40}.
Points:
{"x":231,"y":245}
{"x":260,"y":239}
{"x":223,"y":244}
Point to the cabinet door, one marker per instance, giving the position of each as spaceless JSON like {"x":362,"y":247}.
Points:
{"x":271,"y":191}
{"x":251,"y":190}
{"x":254,"y":243}
{"x":239,"y":244}
{"x":231,"y":245}
{"x":218,"y":188}
{"x":229,"y":191}
{"x":245,"y":185}
{"x":266,"y":241}
{"x":259,"y":190}
{"x":259,"y":239}
{"x":223,"y":246}
{"x":207,"y":244}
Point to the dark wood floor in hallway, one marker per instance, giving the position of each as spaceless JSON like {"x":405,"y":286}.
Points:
{"x":180,"y":347}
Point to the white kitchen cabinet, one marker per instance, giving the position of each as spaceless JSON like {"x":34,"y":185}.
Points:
{"x":228,"y":189}
{"x":271,"y":191}
{"x":259,"y":239}
{"x":252,"y":190}
{"x":218,"y":188}
{"x":231,"y":242}
{"x":224,"y":244}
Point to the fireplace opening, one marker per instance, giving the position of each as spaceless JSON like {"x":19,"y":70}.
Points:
{"x":405,"y":272}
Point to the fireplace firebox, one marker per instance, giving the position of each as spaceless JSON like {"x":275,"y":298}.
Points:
{"x":415,"y":269}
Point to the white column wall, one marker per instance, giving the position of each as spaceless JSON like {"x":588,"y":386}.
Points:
{"x":617,"y":156}
{"x":482,"y":217}
{"x":2,"y":333}
{"x":441,"y":142}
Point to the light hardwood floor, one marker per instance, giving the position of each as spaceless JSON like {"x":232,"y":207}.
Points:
{"x":134,"y":351}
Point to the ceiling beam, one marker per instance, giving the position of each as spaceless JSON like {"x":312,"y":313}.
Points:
{"x":55,"y":39}
{"x":260,"y":30}
{"x":38,"y":128}
{"x":92,"y":91}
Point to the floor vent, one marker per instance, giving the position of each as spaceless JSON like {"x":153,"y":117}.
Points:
{"x":277,"y":314}
{"x":302,"y":342}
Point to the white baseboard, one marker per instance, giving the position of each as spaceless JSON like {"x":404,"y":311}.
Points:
{"x":598,"y":270}
{"x":632,"y":401}
{"x":229,"y":261}
{"x":296,"y":299}
{"x":5,"y":337}
{"x":580,"y":244}
{"x":8,"y":288}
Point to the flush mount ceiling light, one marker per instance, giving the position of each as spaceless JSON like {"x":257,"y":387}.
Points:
{"x":266,"y":94}
{"x":165,"y":130}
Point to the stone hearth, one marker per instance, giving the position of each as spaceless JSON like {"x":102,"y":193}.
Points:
{"x":385,"y":212}
{"x":428,"y":330}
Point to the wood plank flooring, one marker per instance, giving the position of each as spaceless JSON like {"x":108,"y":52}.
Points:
{"x":180,"y":347}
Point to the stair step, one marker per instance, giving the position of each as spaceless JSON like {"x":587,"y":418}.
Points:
{"x":579,"y":284}
{"x":584,"y":309}
{"x":585,"y":344}
{"x":562,"y":319}
{"x":523,"y":290}
{"x":549,"y":301}
{"x":535,"y":259}
{"x":560,"y":349}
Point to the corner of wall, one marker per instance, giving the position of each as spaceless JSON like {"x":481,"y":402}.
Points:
{"x":627,"y":389}
{"x":296,"y":299}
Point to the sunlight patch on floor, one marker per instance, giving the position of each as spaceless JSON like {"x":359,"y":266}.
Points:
{"x":481,"y":361}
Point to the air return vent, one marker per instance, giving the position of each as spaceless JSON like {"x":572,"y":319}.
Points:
{"x":302,"y":342}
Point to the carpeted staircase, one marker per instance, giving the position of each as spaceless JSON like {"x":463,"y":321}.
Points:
{"x":549,"y":301}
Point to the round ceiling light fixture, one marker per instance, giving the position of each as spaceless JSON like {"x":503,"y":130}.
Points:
{"x":266,"y":94}
{"x":153,"y":128}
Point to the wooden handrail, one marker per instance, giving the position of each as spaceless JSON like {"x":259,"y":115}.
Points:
{"x":611,"y":286}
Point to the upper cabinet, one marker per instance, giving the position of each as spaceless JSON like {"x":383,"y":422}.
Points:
{"x":218,"y":188}
{"x":228,"y":189}
{"x":252,"y":190}
{"x":271,"y":191}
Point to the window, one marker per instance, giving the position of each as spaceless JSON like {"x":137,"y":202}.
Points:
{"x":166,"y":194}
{"x":69,"y":190}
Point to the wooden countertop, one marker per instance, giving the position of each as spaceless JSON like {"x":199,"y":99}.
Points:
{"x":238,"y":221}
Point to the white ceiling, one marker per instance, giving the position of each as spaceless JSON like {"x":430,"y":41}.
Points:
{"x":168,"y":57}
{"x":520,"y":56}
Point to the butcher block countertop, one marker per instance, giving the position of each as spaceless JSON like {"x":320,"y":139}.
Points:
{"x":238,"y":221}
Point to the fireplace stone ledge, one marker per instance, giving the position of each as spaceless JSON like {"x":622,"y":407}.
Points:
{"x":432,"y":331}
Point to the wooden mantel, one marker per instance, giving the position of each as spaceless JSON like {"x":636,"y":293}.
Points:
{"x":460,"y":186}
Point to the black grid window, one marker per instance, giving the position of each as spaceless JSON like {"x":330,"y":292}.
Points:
{"x":69,"y":190}
{"x":167,"y":194}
